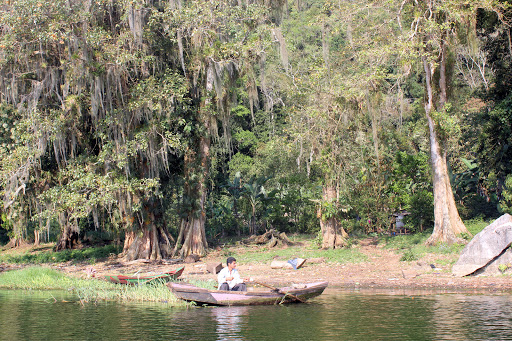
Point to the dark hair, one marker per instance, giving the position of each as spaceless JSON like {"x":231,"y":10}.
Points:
{"x":230,"y":260}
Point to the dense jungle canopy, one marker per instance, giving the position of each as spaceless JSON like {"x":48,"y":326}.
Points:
{"x":167,"y":125}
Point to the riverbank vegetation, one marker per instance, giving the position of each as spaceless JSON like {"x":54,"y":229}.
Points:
{"x":167,"y":127}
{"x":45,"y":254}
{"x":304,"y":246}
{"x":85,"y":290}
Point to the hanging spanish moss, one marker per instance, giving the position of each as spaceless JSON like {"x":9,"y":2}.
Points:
{"x":75,"y":93}
{"x":101,"y":90}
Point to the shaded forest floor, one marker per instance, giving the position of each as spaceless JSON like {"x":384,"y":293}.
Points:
{"x":368,"y":264}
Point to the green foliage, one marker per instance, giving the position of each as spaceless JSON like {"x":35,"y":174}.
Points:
{"x":447,"y":124}
{"x":292,"y":209}
{"x":241,"y":163}
{"x":476,"y":225}
{"x":505,"y":205}
{"x":222,"y":219}
{"x":495,"y":138}
{"x":102,"y":118}
{"x":504,"y":267}
{"x":98,"y":134}
{"x":83,"y":189}
{"x":404,"y":242}
{"x":409,"y":256}
{"x":421,"y":209}
{"x":89,"y":254}
{"x":469,"y":186}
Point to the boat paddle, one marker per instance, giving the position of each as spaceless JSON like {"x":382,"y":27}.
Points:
{"x":279,"y":291}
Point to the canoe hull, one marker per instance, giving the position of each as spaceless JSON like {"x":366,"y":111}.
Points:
{"x":137,"y":280}
{"x":202,"y":296}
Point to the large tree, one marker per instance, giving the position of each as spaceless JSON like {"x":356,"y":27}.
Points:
{"x":95,"y":102}
{"x":105,"y":92}
{"x":219,"y":43}
{"x":342,"y":77}
{"x":437,"y":28}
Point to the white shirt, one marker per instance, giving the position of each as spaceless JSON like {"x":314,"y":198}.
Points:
{"x":225,"y":273}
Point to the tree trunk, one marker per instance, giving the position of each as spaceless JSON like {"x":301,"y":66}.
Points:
{"x":150,"y":242}
{"x":69,"y":236}
{"x":194,"y":233}
{"x":333,"y":235}
{"x":37,"y":235}
{"x":195,"y":237}
{"x":14,"y":243}
{"x":447,"y":222}
{"x":253,"y":220}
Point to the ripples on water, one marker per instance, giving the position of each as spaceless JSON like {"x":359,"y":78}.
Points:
{"x":336,"y":315}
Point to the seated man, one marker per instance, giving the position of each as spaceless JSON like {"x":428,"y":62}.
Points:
{"x":229,"y":278}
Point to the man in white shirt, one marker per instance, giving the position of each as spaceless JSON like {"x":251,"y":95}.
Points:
{"x":229,"y":278}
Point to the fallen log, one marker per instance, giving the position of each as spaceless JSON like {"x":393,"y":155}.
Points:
{"x":271,"y":238}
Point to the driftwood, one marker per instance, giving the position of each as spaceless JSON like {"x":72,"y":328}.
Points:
{"x":271,"y":238}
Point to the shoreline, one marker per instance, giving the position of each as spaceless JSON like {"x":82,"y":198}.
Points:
{"x":381,"y":270}
{"x":432,"y":282}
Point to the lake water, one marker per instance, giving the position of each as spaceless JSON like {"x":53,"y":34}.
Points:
{"x":336,"y":315}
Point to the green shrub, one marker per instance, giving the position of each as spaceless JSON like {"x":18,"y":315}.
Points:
{"x":409,"y":256}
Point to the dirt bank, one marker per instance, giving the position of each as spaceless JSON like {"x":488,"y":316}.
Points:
{"x":383,"y":269}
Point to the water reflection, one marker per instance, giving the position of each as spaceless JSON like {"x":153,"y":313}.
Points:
{"x":337,"y":314}
{"x":418,"y":315}
{"x":460,"y":317}
{"x":229,"y":322}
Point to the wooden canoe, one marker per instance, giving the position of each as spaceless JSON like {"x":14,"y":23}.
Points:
{"x":144,"y":279}
{"x":200,"y":296}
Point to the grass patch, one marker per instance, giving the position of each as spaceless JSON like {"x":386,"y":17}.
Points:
{"x":474,"y":226}
{"x":49,"y":256}
{"x":413,"y":246}
{"x":86,"y":290}
{"x":266,"y":255}
{"x":445,"y":262}
{"x":406,"y":241}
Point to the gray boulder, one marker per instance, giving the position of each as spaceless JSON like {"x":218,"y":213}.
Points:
{"x":494,"y":267}
{"x":486,"y":247}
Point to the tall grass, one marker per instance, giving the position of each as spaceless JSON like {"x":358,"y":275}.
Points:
{"x":86,"y":290}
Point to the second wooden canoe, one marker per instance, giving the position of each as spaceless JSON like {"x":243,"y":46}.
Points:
{"x":145,"y":279}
